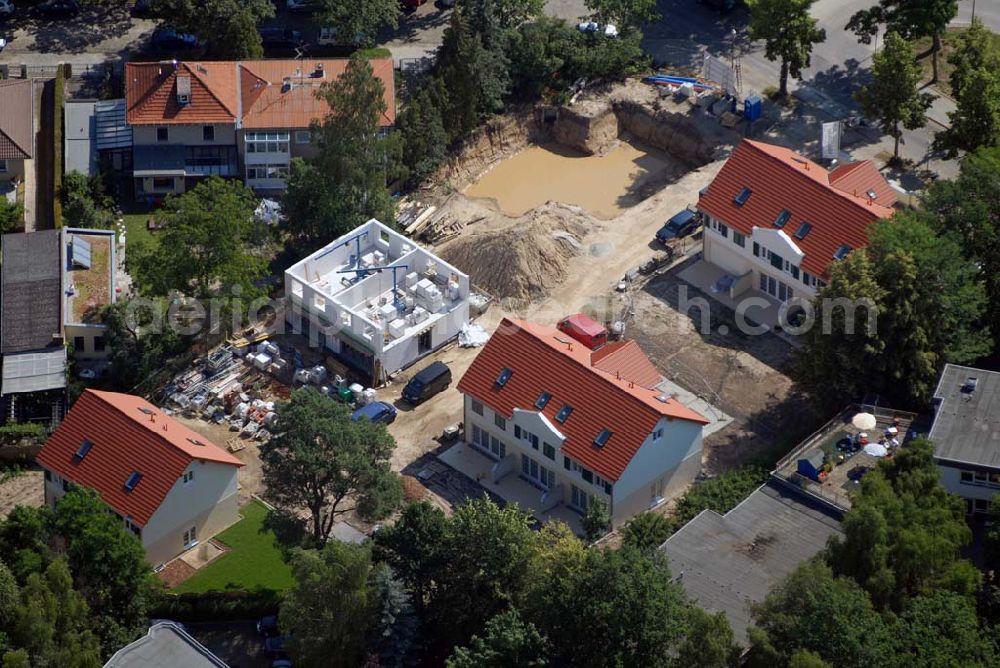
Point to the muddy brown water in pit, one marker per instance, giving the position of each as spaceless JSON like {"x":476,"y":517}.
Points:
{"x":604,"y":185}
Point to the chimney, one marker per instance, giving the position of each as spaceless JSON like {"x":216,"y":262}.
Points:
{"x":286,"y":84}
{"x":318,"y":72}
{"x":164,"y":426}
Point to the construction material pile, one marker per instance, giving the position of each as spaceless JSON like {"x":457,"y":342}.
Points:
{"x":524,"y":258}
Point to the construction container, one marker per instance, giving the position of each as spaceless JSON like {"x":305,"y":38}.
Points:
{"x":272,"y":350}
{"x":424,"y":285}
{"x":317,"y":374}
{"x":420,"y":314}
{"x":397,"y":328}
{"x":368,"y":396}
{"x":301,"y":376}
{"x":411,"y":279}
{"x":345,"y":394}
{"x":357,"y":391}
{"x":388,"y":312}
{"x":262,"y":361}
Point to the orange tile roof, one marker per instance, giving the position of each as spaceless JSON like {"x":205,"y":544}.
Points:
{"x":857,"y":178}
{"x":151,"y":93}
{"x":545,"y":360}
{"x":266,"y":106}
{"x":626,"y":359}
{"x":126,"y":439}
{"x":250,"y":89}
{"x":780,"y":178}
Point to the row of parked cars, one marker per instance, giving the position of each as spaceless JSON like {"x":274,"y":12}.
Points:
{"x":48,"y":9}
{"x":434,"y":378}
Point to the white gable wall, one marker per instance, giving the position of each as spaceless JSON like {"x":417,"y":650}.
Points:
{"x":660,"y":468}
{"x":209,"y":503}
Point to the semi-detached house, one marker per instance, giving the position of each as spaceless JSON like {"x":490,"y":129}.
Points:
{"x":166,"y":483}
{"x":237,"y":119}
{"x":775,"y":221}
{"x":578,"y":424}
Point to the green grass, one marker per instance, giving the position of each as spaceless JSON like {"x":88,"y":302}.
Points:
{"x":253,"y":561}
{"x":136,"y":230}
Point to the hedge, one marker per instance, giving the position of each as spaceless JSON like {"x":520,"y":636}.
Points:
{"x":57,"y":145}
{"x":216,"y":605}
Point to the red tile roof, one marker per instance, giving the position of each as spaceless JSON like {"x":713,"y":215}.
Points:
{"x":16,"y":119}
{"x":626,"y":359}
{"x":251,"y":90}
{"x":125,"y":439}
{"x":151,"y":93}
{"x":857,"y":178}
{"x":266,"y":105}
{"x":545,"y":360}
{"x":780,"y":178}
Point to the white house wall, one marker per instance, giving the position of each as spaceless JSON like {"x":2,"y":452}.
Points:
{"x":659,"y":469}
{"x":209,"y":503}
{"x":951,"y":480}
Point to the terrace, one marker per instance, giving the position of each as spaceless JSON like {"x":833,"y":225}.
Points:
{"x":845,"y":465}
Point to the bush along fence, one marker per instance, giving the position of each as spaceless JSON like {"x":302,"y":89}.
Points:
{"x":216,"y":605}
{"x":57,"y":145}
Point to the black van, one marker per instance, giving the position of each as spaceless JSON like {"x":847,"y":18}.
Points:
{"x":427,"y":383}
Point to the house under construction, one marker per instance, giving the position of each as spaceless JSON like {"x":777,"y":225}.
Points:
{"x":376,"y":300}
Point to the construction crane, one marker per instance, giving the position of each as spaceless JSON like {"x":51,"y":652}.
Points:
{"x":396,"y":301}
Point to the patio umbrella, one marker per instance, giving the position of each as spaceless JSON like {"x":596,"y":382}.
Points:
{"x":864,"y":421}
{"x":876,"y":450}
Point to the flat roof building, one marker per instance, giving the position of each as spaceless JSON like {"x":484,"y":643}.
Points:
{"x":376,"y":300}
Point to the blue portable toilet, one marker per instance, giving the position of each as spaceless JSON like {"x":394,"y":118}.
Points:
{"x":753,"y":107}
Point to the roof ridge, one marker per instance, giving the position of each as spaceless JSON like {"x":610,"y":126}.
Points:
{"x":102,"y":396}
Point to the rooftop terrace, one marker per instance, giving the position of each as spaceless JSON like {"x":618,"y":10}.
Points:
{"x":848,"y":467}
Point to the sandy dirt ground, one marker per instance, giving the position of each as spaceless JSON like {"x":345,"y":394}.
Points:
{"x":24,"y":489}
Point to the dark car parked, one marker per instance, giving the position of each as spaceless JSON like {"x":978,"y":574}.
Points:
{"x":275,"y":645}
{"x":681,"y":225}
{"x":168,"y":39}
{"x":58,"y":8}
{"x":432,"y":379}
{"x":280,"y":38}
{"x":268,"y":626}
{"x":377,"y":411}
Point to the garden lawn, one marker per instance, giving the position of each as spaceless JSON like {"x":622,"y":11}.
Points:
{"x":136,"y":230}
{"x":253,"y":561}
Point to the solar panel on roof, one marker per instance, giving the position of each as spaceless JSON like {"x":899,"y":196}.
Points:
{"x":803,"y":230}
{"x":742,"y":197}
{"x":782,"y":218}
{"x":132,"y":481}
{"x":80,"y":253}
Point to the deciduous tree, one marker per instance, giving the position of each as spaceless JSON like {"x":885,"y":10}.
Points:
{"x":892,"y":98}
{"x":345,"y":185}
{"x":11,"y":215}
{"x":328,"y":612}
{"x":623,"y":13}
{"x":708,"y":641}
{"x":507,"y":640}
{"x":321,"y":460}
{"x":597,"y":520}
{"x":227,"y":28}
{"x":975,"y":85}
{"x":211,"y":244}
{"x":789,"y":33}
{"x":357,"y":22}
{"x":415,"y":548}
{"x":647,"y":531}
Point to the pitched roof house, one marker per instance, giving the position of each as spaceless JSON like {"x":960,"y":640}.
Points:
{"x":232,"y":118}
{"x":170,"y":485}
{"x":16,"y":119}
{"x":783,"y":217}
{"x":576,"y":423}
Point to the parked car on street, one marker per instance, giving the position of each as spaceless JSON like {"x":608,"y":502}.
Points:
{"x":6,"y":7}
{"x":275,"y":645}
{"x":168,"y":39}
{"x":268,"y":626}
{"x":377,"y":411}
{"x":280,"y":38}
{"x":58,"y":8}
{"x":681,"y":225}
{"x":301,"y":5}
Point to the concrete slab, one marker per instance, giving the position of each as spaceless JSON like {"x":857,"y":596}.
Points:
{"x":465,"y":459}
{"x":345,"y":533}
{"x":704,"y":275}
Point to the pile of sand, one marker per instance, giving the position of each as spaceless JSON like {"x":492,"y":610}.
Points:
{"x":524,"y":258}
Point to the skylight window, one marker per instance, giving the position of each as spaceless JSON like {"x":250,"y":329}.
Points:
{"x":83,"y":449}
{"x":803,"y":231}
{"x":543,"y":400}
{"x":146,"y":411}
{"x":504,"y":376}
{"x":602,"y":438}
{"x":563,"y":413}
{"x":132,"y":481}
{"x":872,"y":195}
{"x":842,"y":252}
{"x":782,"y":218}
{"x":195,"y":441}
{"x":742,"y":197}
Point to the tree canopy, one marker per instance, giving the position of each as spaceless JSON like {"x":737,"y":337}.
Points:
{"x":211,"y":244}
{"x":321,"y":460}
{"x":789,"y":33}
{"x":909,"y":18}
{"x":345,"y":184}
{"x":975,"y":85}
{"x":357,"y":22}
{"x":507,"y":640}
{"x":227,"y":28}
{"x":893,"y":97}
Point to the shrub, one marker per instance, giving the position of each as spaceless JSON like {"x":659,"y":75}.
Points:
{"x":57,"y":147}
{"x":216,"y":605}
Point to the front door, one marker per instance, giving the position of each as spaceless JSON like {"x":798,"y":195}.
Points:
{"x":424,"y":342}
